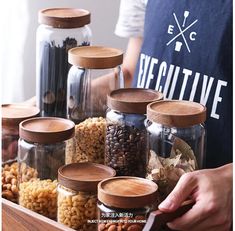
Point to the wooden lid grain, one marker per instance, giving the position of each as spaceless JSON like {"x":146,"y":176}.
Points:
{"x":13,"y":114}
{"x":84,"y":176}
{"x":127,"y":192}
{"x":46,"y":130}
{"x":95,"y":57}
{"x":132,"y":100}
{"x":176,"y":113}
{"x":64,"y":17}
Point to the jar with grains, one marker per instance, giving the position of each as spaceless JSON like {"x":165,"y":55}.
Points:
{"x":77,"y":194}
{"x":12,"y":115}
{"x":95,"y":72}
{"x":124,"y":203}
{"x":177,"y":138}
{"x":60,"y":29}
{"x":126,"y":134}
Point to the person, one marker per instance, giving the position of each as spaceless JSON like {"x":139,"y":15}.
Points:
{"x":184,"y":49}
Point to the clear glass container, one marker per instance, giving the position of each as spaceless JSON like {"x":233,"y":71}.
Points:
{"x":126,"y":207}
{"x":126,"y":134}
{"x":41,"y":153}
{"x":77,"y":194}
{"x":60,"y":29}
{"x":12,"y":115}
{"x":177,"y":139}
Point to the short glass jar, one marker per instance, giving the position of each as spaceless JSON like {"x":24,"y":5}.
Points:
{"x":124,"y":203}
{"x":12,"y":115}
{"x":126,"y":134}
{"x":60,"y":29}
{"x":177,"y":139}
{"x":96,"y":71}
{"x":77,"y":194}
{"x":41,"y":153}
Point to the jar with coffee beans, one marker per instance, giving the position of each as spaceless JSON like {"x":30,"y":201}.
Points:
{"x":124,"y":203}
{"x":12,"y":115}
{"x":126,"y":134}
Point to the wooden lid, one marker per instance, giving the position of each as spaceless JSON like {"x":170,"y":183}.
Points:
{"x":13,"y":114}
{"x":46,"y":130}
{"x":132,"y":100}
{"x":95,"y":57}
{"x":176,"y":113}
{"x":127,"y":192}
{"x":64,"y":17}
{"x":84,"y":176}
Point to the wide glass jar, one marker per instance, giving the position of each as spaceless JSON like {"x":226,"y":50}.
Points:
{"x":12,"y":115}
{"x":124,"y":203}
{"x":41,"y":153}
{"x":77,"y":194}
{"x":60,"y":29}
{"x":177,"y":139}
{"x":126,"y":134}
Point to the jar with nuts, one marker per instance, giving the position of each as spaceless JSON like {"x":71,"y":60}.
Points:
{"x":124,"y":203}
{"x":12,"y":115}
{"x":77,"y":194}
{"x":126,"y":134}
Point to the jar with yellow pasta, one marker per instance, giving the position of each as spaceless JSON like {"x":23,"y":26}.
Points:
{"x":77,"y":194}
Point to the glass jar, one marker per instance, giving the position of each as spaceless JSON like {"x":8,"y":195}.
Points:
{"x":41,"y":152}
{"x":124,"y":203}
{"x":177,"y":140}
{"x":60,"y":29}
{"x":126,"y":134}
{"x":77,"y":194}
{"x":12,"y":115}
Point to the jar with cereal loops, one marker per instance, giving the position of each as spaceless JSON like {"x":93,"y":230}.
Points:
{"x":126,"y":134}
{"x":77,"y":194}
{"x":124,"y":203}
{"x":42,"y":151}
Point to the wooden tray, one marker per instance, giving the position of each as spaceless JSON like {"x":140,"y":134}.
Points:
{"x":18,"y":218}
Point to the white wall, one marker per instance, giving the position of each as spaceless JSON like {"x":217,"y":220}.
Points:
{"x":18,"y":24}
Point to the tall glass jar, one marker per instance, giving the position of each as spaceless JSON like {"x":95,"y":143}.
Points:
{"x":177,"y":139}
{"x":41,"y":153}
{"x":126,"y":134}
{"x":12,"y":115}
{"x":96,"y":71}
{"x":60,"y":29}
{"x":124,"y":203}
{"x":77,"y":194}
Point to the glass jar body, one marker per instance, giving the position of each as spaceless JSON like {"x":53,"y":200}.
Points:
{"x":126,"y":143}
{"x":10,"y":137}
{"x":76,"y":208}
{"x":122,"y":218}
{"x":52,"y":65}
{"x":172,"y":152}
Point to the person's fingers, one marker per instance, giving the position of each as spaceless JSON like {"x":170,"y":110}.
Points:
{"x":185,"y":186}
{"x":213,"y":228}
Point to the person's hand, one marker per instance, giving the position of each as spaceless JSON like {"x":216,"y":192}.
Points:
{"x":211,"y":189}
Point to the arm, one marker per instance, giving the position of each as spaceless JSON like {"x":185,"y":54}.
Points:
{"x":211,"y":189}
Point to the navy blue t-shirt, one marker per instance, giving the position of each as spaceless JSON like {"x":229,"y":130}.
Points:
{"x":187,"y":55}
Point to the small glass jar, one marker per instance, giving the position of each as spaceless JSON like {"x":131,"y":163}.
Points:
{"x":77,"y":194}
{"x":124,"y":203}
{"x":60,"y":29}
{"x":41,"y":153}
{"x":12,"y":115}
{"x":177,"y":138}
{"x":126,"y":134}
{"x":96,"y":71}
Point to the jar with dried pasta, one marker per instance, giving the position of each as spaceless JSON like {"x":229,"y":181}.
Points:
{"x":77,"y":194}
{"x":124,"y":203}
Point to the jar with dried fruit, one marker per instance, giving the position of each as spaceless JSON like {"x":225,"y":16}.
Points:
{"x":124,"y":203}
{"x":177,"y":139}
{"x":12,"y":115}
{"x":126,"y":134}
{"x":77,"y":194}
